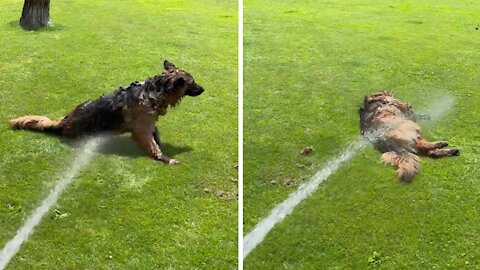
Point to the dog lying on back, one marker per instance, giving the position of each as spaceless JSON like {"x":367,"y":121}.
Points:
{"x":390,"y":125}
{"x":133,"y":109}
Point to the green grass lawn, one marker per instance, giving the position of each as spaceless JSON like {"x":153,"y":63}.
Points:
{"x":124,"y":210}
{"x":308,"y":65}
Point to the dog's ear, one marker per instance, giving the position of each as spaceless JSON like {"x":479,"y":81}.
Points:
{"x":179,"y":82}
{"x":175,"y":84}
{"x":168,"y":66}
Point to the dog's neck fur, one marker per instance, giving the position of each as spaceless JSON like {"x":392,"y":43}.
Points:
{"x":158,"y":93}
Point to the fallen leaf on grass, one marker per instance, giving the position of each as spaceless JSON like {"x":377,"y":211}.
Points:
{"x":306,"y":151}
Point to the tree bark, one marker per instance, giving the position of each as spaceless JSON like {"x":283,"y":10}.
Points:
{"x":35,"y":14}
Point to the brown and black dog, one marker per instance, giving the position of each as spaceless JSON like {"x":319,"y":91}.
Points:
{"x":133,"y":109}
{"x":391,"y":127}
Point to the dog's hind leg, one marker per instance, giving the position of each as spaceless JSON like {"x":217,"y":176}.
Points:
{"x":423,"y":145}
{"x":147,"y":142}
{"x":434,"y":149}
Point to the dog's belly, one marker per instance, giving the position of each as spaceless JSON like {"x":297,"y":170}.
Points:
{"x":400,"y":136}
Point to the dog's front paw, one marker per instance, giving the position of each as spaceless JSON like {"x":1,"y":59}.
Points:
{"x":167,"y":160}
{"x":173,"y":162}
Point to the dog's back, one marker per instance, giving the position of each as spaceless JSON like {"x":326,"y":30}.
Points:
{"x":105,"y":114}
{"x":94,"y":116}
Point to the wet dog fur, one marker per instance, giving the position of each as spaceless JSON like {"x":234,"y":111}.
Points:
{"x":391,"y":127}
{"x":133,"y":109}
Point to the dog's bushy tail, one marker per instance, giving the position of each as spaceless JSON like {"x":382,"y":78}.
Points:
{"x":407,"y":164}
{"x":37,"y":123}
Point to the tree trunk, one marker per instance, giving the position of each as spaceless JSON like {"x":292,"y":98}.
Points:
{"x":35,"y":14}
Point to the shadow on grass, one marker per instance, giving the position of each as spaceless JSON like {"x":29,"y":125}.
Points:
{"x":125,"y":146}
{"x":119,"y":145}
{"x":52,"y":28}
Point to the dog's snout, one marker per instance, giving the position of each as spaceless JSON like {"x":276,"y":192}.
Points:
{"x":195,"y":91}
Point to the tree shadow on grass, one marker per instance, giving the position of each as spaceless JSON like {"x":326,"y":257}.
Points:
{"x":51,"y":28}
{"x":126,"y":147}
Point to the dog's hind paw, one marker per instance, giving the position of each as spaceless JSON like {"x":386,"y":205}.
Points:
{"x":455,"y":152}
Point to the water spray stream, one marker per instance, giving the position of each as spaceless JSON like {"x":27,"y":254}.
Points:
{"x":13,"y":246}
{"x":439,"y":107}
{"x":436,"y":110}
{"x":256,"y":236}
